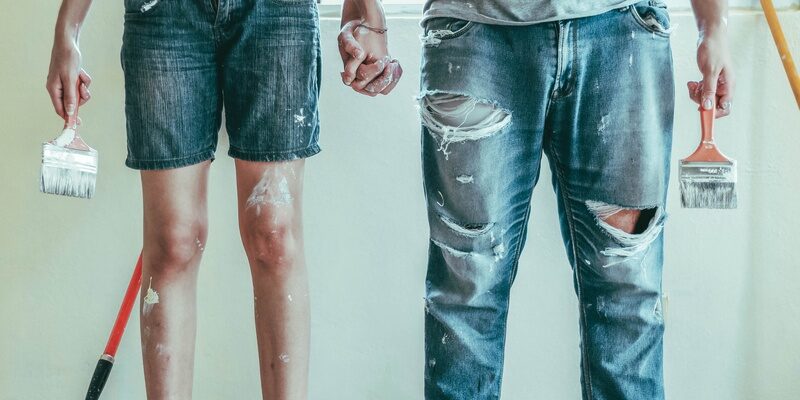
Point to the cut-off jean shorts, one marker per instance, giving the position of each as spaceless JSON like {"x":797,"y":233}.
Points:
{"x":184,"y":61}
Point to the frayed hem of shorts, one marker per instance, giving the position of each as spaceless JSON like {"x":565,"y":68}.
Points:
{"x":275,"y":156}
{"x":170,"y":163}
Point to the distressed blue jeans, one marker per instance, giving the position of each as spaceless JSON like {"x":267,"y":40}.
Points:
{"x":595,"y":95}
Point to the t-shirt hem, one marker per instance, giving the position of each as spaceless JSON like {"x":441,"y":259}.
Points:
{"x":483,"y":19}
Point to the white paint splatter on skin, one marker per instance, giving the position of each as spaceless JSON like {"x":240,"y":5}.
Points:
{"x":465,"y":179}
{"x":284,"y":358}
{"x":290,"y":298}
{"x":199,"y":244}
{"x":273,"y":189}
{"x":150,"y":298}
{"x":161,"y":349}
{"x":147,"y":6}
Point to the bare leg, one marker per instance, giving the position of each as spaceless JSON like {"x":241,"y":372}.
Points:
{"x":270,"y":223}
{"x":175,"y":230}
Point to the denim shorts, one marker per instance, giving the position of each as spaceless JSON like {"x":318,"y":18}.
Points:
{"x":186,"y":60}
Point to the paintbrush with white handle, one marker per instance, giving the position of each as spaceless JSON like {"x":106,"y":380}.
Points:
{"x":69,"y":165}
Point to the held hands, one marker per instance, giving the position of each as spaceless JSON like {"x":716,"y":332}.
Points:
{"x":717,"y":87}
{"x":368,"y":68}
{"x":62,"y":78}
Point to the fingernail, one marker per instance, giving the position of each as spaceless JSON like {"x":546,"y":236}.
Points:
{"x":707,"y":104}
{"x":70,"y":109}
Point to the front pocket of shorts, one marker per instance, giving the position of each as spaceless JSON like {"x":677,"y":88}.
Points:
{"x":652,"y":18}
{"x":141,"y":7}
{"x":442,"y":28}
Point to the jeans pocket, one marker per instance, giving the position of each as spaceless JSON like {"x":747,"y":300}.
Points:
{"x":444,"y":28}
{"x":652,"y":16}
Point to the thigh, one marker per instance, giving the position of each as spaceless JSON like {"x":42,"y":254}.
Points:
{"x":481,"y":134}
{"x":271,"y":81}
{"x":172,"y":99}
{"x":611,"y":135}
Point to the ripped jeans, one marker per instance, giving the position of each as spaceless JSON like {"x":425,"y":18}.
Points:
{"x":595,"y":95}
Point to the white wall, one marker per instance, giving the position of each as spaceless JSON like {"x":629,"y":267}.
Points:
{"x":731,"y":276}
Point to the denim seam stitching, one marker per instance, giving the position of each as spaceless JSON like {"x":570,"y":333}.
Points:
{"x":565,"y":197}
{"x":571,"y":78}
{"x":518,"y":251}
{"x":158,"y":160}
{"x":268,"y":153}
{"x":559,"y":62}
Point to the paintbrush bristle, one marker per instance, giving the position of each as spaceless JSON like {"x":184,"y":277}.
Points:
{"x":708,"y":184}
{"x":68,"y":172}
{"x":708,"y":195}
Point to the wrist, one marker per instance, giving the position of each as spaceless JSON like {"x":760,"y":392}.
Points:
{"x":711,"y":27}
{"x":67,"y":32}
{"x":372,"y":13}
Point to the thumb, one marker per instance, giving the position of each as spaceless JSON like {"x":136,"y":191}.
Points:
{"x":709,"y":95}
{"x":70,"y":95}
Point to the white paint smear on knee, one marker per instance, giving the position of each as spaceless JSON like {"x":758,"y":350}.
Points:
{"x":272,"y":189}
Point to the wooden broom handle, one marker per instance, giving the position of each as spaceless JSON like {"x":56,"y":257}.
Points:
{"x":783,"y":48}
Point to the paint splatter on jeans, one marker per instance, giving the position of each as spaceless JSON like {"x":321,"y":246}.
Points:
{"x":595,"y":95}
{"x":184,"y":60}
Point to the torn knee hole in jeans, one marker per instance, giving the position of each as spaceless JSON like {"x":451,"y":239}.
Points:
{"x":633,"y":228}
{"x":453,"y":118}
{"x":468,"y":229}
{"x":474,"y":231}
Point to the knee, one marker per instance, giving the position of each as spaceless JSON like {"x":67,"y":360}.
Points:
{"x":176,"y":245}
{"x":632,"y":230}
{"x":273,"y":243}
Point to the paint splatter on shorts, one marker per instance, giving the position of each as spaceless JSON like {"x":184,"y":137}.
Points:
{"x":184,"y":61}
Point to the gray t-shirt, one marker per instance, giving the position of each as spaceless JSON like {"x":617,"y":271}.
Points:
{"x":518,"y":12}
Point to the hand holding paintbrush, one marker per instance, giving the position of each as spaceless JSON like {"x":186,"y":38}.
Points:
{"x":69,"y":165}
